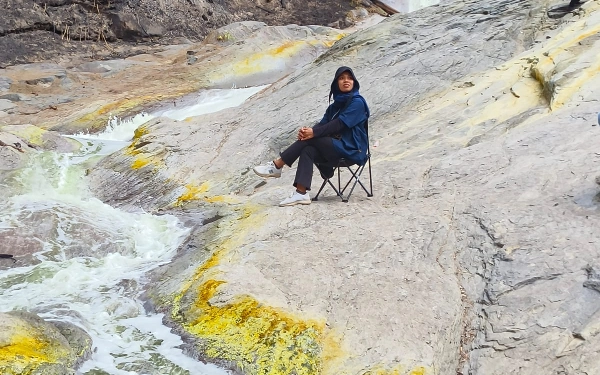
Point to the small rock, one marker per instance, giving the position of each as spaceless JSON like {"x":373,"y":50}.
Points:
{"x":42,"y":81}
{"x":14,"y":97}
{"x":5,"y":83}
{"x":593,"y":281}
{"x":6,"y":104}
{"x":191,"y":59}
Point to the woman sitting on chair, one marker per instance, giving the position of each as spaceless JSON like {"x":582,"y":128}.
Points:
{"x":340,"y":134}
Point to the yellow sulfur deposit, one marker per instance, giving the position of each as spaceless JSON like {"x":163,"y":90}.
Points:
{"x":258,"y":339}
{"x":25,"y":352}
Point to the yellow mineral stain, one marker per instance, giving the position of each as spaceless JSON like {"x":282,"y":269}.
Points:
{"x":32,"y":134}
{"x":141,"y":159}
{"x":222,"y":199}
{"x":116,"y":107}
{"x":240,"y":229}
{"x":99,"y":117}
{"x":139,"y":132}
{"x":567,"y":91}
{"x":24,"y":347}
{"x":25,"y":350}
{"x":259,"y":61}
{"x":259,"y":339}
{"x":327,"y":43}
{"x":192,"y":192}
{"x":571,"y":36}
{"x":555,"y":56}
{"x":498,"y":95}
{"x":381,"y":370}
{"x":418,"y":371}
{"x":139,"y":162}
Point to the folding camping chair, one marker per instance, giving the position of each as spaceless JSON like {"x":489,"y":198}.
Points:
{"x":355,"y":174}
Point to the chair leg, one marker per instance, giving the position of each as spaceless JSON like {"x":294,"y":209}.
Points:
{"x":316,"y":197}
{"x":328,"y":181}
{"x":370,"y":192}
{"x":354,"y":180}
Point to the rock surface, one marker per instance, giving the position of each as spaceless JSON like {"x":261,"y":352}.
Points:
{"x":30,"y":345}
{"x":34,"y":30}
{"x":478,"y":253}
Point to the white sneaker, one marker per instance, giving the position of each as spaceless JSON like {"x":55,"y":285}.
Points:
{"x":269,"y":170}
{"x":296,"y":198}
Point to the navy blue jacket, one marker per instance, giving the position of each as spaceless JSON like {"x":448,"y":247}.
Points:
{"x":352,"y":111}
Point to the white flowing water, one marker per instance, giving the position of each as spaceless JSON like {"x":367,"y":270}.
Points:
{"x":93,"y":260}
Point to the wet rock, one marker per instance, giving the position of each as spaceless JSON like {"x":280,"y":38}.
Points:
{"x":79,"y":340}
{"x":447,"y":269}
{"x":30,"y":345}
{"x":11,"y":159}
{"x":42,"y":139}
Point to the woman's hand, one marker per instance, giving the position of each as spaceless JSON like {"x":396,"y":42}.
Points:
{"x":305,"y":134}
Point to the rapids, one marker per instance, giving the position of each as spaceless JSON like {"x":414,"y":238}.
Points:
{"x":91,"y":266}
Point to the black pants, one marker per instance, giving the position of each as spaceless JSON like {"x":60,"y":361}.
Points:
{"x":314,"y":150}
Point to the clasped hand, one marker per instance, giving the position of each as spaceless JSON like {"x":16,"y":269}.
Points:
{"x":305,"y":134}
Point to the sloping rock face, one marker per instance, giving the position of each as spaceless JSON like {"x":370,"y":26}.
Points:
{"x":471,"y":257}
{"x":34,"y":30}
{"x":479,"y":251}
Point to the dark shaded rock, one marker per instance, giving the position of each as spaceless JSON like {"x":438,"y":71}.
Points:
{"x":13,"y":97}
{"x":131,"y":28}
{"x":78,"y":339}
{"x":593,"y":281}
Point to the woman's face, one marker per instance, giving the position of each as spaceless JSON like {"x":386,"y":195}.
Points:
{"x":345,"y":82}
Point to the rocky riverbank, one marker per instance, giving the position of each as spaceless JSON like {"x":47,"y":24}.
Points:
{"x":33,"y":31}
{"x":477,"y":254}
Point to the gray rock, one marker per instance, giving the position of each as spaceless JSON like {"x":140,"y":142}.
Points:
{"x":133,"y":27}
{"x":14,"y":97}
{"x":5,"y":83}
{"x":6,"y":104}
{"x":79,"y":340}
{"x":106,"y":67}
{"x":54,"y":357}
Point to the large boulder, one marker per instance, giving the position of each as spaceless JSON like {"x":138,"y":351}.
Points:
{"x":30,"y":345}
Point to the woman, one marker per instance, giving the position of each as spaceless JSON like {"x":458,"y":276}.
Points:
{"x":340,"y":134}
